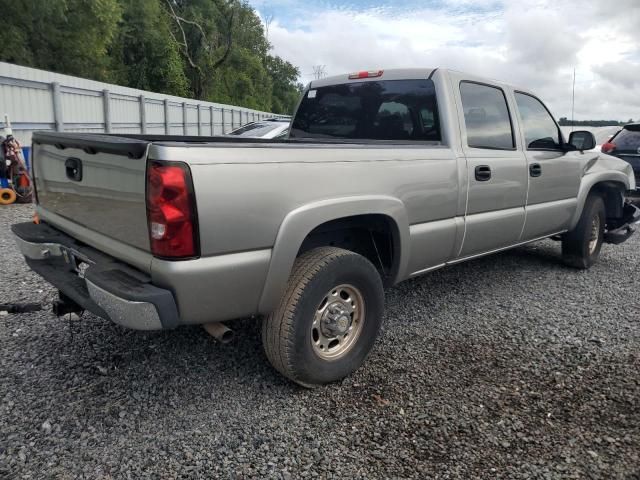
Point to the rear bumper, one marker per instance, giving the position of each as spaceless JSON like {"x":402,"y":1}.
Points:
{"x":95,"y":281}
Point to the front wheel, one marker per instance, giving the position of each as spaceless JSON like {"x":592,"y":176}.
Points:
{"x":581,"y":246}
{"x":327,"y":320}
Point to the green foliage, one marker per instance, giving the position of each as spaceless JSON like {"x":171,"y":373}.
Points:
{"x":208,"y":49}
{"x":565,"y":122}
{"x":242,"y":80}
{"x":143,"y":53}
{"x":286,"y":89}
{"x":67,"y":36}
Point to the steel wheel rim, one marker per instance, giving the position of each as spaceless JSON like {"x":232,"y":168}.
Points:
{"x":595,"y":234}
{"x":337,"y":322}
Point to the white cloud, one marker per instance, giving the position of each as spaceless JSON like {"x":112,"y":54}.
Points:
{"x":532,"y":43}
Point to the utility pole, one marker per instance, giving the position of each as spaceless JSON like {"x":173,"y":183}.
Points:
{"x":268,"y":19}
{"x":573,"y":99}
{"x":319,"y":71}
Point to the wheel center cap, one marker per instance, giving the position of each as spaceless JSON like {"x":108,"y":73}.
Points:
{"x":342,"y":323}
{"x":336,"y":321}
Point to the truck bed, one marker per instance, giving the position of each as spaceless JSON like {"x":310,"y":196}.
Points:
{"x":239,"y":208}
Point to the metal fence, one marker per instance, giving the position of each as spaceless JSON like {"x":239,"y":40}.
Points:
{"x":40,"y":100}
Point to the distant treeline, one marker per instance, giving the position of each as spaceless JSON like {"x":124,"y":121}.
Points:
{"x":215,"y":50}
{"x":565,"y":122}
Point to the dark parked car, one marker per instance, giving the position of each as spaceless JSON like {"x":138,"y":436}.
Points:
{"x":626,"y":145}
{"x":270,"y":128}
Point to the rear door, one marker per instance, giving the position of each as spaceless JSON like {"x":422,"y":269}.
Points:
{"x":554,"y":174}
{"x":496,"y":169}
{"x":393,"y":115}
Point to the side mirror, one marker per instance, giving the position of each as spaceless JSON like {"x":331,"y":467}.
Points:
{"x":582,"y":140}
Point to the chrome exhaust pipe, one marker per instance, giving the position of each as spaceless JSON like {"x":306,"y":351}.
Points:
{"x":219,"y":331}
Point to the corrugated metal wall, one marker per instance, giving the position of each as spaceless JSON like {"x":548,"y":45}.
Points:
{"x":40,"y":100}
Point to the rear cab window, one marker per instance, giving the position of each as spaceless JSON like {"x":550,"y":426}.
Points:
{"x":486,"y":117}
{"x":395,"y":110}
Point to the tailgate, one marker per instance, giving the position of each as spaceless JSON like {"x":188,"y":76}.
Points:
{"x":94,"y":181}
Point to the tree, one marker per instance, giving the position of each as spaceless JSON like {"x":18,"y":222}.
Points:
{"x":208,"y":49}
{"x":143,"y":53}
{"x":66,"y":36}
{"x":589,"y":123}
{"x":286,"y":89}
{"x":204,"y":29}
{"x":243,"y":81}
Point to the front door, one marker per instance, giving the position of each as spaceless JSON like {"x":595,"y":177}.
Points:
{"x":496,"y":168}
{"x":554,"y":174}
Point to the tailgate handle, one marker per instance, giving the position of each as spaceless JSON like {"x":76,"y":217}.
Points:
{"x":73,"y":166}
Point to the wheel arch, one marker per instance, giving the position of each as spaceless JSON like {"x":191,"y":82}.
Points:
{"x":301,"y":222}
{"x":610,"y":185}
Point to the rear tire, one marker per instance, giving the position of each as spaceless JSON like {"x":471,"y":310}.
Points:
{"x":581,"y":246}
{"x":327,"y":320}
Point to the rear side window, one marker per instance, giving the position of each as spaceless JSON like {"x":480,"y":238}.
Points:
{"x":540,"y":129}
{"x":486,"y":117}
{"x":627,"y":139}
{"x":402,"y":110}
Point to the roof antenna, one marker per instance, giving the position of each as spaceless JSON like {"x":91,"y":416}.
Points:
{"x":573,"y":99}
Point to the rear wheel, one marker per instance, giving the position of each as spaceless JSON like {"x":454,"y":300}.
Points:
{"x":328,"y":318}
{"x":581,"y":246}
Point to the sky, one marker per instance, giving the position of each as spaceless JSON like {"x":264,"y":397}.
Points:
{"x":534,"y":44}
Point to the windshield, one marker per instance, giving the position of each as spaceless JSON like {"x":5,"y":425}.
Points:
{"x":628,"y":139}
{"x":377,"y":110}
{"x":257,"y":129}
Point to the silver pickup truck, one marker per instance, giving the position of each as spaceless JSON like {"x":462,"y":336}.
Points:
{"x":385,"y":175}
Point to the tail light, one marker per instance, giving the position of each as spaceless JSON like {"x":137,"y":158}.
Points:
{"x":608,"y":147}
{"x":171,"y":211}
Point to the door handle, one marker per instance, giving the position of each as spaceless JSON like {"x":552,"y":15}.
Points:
{"x":483,"y":173}
{"x":535,"y":169}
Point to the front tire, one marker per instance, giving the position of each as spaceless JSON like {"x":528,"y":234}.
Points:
{"x":581,"y":246}
{"x":327,"y":320}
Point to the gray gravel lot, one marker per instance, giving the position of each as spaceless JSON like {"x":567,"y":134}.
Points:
{"x":510,"y":367}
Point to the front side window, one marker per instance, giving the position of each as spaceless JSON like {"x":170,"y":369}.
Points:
{"x":486,"y":117}
{"x":370,"y":110}
{"x":540,"y":130}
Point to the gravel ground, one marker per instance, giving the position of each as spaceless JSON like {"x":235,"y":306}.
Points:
{"x":508,"y":367}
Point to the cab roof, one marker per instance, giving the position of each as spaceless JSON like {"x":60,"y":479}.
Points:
{"x":407,"y":74}
{"x":391,"y":74}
